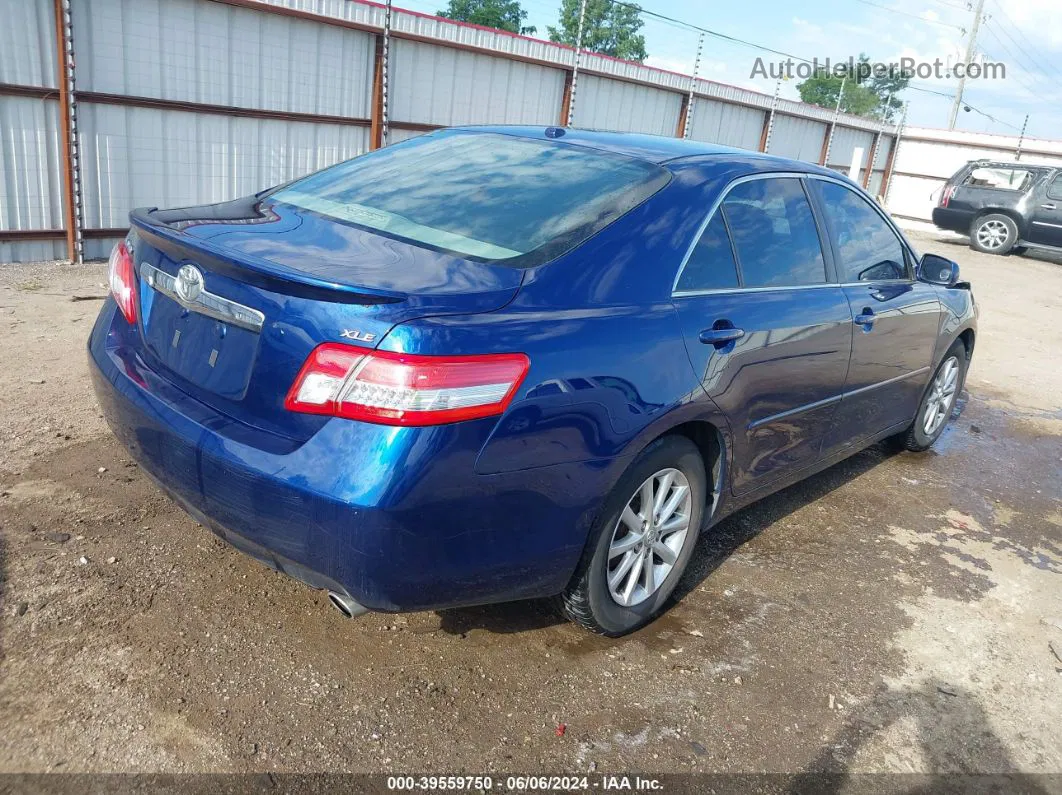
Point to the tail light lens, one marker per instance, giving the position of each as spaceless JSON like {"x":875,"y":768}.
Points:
{"x":405,"y":389}
{"x":122,"y":280}
{"x":945,"y":197}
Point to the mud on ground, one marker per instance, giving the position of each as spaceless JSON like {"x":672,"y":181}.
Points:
{"x":894,"y":613}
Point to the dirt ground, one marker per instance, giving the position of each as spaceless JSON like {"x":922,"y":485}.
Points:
{"x":894,"y":613}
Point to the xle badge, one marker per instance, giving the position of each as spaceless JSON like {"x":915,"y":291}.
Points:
{"x":354,"y":334}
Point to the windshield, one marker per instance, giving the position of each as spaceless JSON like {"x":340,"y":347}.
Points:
{"x":487,"y":196}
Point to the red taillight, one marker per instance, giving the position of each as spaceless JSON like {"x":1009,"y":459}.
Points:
{"x":403,"y":388}
{"x":945,"y":197}
{"x":122,"y":279}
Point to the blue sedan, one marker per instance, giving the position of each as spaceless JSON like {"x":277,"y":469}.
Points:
{"x":490,"y":364}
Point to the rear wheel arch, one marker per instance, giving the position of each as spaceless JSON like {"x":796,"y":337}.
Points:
{"x":1011,"y":214}
{"x":711,"y":439}
{"x":968,"y":337}
{"x":711,"y":443}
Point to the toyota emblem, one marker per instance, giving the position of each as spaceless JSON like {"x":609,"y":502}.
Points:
{"x":189,"y":283}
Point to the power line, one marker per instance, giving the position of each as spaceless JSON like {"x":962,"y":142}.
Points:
{"x":1032,"y":72}
{"x":909,"y":14}
{"x":959,"y":6}
{"x":1039,"y":64}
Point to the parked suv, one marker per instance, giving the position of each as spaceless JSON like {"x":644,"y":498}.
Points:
{"x":1004,"y":207}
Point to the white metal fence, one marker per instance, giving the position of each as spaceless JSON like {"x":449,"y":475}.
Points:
{"x":182,"y":102}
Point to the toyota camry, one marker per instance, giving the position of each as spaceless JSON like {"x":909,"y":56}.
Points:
{"x":489,"y":364}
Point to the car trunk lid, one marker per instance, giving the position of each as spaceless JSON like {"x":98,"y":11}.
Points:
{"x":234,"y":298}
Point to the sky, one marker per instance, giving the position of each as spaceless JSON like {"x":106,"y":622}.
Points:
{"x":1025,"y":35}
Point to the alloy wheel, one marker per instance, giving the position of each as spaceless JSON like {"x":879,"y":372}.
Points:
{"x":941,"y":396}
{"x":992,"y":234}
{"x":648,"y":537}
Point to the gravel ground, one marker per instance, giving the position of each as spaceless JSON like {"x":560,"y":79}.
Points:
{"x":894,"y":613}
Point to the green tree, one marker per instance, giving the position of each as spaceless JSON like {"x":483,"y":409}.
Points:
{"x":823,"y":89}
{"x":500,"y":14}
{"x":865,"y":93}
{"x":887,"y":88}
{"x":608,"y":28}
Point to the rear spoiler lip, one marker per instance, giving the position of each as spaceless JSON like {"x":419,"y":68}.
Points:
{"x":256,"y":271}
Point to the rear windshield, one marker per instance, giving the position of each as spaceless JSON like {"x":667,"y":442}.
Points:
{"x":486,"y":196}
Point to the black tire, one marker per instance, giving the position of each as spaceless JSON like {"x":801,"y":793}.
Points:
{"x":916,"y":438}
{"x":587,"y":600}
{"x":986,"y":231}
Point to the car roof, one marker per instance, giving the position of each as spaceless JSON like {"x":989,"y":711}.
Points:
{"x":1010,"y":164}
{"x":653,"y":148}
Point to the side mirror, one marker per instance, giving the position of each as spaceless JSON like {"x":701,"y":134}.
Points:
{"x":938,"y":270}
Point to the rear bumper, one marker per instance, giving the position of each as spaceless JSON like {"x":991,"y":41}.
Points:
{"x":952,"y":220}
{"x":395,"y":518}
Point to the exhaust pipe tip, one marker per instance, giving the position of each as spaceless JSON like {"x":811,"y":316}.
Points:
{"x":347,"y":606}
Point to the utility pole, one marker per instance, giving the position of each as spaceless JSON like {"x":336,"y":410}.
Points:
{"x":970,"y":45}
{"x":687,"y":122}
{"x":575,"y":64}
{"x":1021,"y":140}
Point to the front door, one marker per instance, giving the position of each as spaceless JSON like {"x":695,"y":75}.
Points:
{"x":769,"y":337}
{"x":896,"y":319}
{"x":1046,"y":221}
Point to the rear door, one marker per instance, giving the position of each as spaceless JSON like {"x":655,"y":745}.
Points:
{"x":1046,"y":212}
{"x":768,"y":334}
{"x":896,"y":319}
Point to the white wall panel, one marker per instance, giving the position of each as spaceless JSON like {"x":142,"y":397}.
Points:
{"x":29,"y":164}
{"x":98,"y":248}
{"x":845,"y":142}
{"x":27,"y":43}
{"x":800,"y":139}
{"x":394,"y":136}
{"x":603,"y":104}
{"x":913,"y":196}
{"x":31,"y":250}
{"x":446,"y":86}
{"x":200,"y":51}
{"x":134,"y":157}
{"x":729,"y":125}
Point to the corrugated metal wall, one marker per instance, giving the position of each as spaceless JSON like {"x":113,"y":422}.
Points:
{"x":218,"y":54}
{"x":729,"y":125}
{"x":30,"y":185}
{"x":189,"y":101}
{"x":27,"y":43}
{"x":604,"y":104}
{"x":448,"y":87}
{"x":800,"y":139}
{"x":133,"y":157}
{"x":845,"y":142}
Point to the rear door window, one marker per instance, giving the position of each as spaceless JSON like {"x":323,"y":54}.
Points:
{"x":999,"y":177}
{"x":1054,"y":190}
{"x":774,"y":233}
{"x":711,"y":265}
{"x":867,"y":247}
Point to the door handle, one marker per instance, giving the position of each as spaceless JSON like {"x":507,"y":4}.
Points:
{"x":864,"y":318}
{"x":1049,"y":206}
{"x":720,"y":336}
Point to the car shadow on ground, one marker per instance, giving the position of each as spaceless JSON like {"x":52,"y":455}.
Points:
{"x":948,"y":732}
{"x":720,"y":541}
{"x":714,"y":547}
{"x":1033,"y":254}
